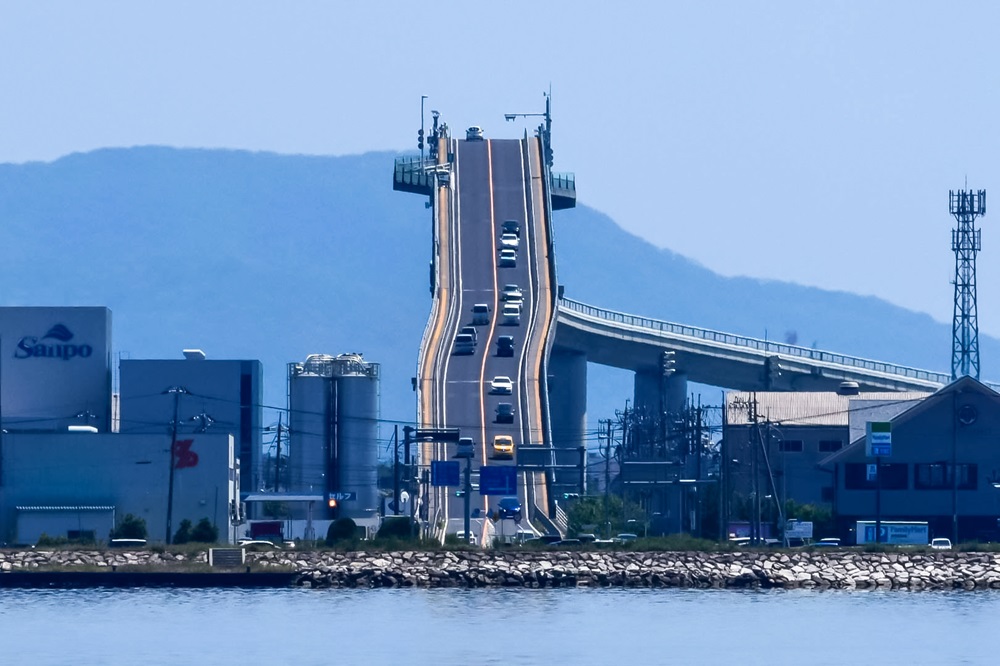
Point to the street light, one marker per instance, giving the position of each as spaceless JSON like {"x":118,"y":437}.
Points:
{"x":544,"y":131}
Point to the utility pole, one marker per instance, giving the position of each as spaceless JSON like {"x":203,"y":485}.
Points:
{"x":395,"y":470}
{"x":176,"y":391}
{"x":277,"y":458}
{"x":755,"y":472}
{"x":607,"y":478}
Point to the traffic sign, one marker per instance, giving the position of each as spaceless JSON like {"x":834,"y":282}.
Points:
{"x":498,"y":480}
{"x":344,"y":497}
{"x":445,"y":473}
{"x":878,"y":439}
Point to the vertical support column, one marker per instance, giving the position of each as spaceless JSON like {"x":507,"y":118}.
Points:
{"x":568,"y":411}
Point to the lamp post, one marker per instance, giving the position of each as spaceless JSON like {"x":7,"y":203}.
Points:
{"x":422,"y":99}
{"x":544,"y":130}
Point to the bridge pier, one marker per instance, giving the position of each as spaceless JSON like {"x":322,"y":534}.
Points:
{"x":658,"y":394}
{"x":568,"y":399}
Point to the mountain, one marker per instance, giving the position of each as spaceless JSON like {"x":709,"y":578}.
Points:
{"x":258,"y":255}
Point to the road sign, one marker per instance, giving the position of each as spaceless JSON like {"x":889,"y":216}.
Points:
{"x":344,"y":497}
{"x":445,"y":473}
{"x":435,"y":434}
{"x":878,"y":439}
{"x":497,"y":480}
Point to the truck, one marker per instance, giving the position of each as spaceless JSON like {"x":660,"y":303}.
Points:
{"x":896,"y":532}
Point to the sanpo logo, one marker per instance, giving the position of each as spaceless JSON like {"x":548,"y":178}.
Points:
{"x":31,"y":347}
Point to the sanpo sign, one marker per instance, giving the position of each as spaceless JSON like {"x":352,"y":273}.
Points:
{"x":56,"y":343}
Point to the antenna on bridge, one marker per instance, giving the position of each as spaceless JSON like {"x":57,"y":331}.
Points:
{"x":966,"y":206}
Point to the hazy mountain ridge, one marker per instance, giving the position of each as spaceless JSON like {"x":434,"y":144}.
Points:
{"x":259,"y":255}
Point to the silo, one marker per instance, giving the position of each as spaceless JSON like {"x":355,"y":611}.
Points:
{"x":334,"y":430}
{"x":357,"y":433}
{"x":311,"y":398}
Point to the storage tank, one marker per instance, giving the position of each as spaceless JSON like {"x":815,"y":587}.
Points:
{"x":334,"y":430}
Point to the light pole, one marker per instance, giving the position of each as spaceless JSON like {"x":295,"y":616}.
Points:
{"x":422,"y":99}
{"x":544,"y":130}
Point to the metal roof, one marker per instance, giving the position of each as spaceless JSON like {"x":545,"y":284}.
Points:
{"x":65,"y":507}
{"x":816,"y":408}
{"x":283,"y":497}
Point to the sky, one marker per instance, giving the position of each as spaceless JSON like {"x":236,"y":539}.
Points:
{"x":809,"y":142}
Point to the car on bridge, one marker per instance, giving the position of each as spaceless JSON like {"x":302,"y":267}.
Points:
{"x":508,"y":258}
{"x":511,"y":314}
{"x":509,"y":240}
{"x":474,"y":133}
{"x":511,"y":293}
{"x":505,"y":345}
{"x":464,"y":344}
{"x":471,"y":330}
{"x":480,"y":314}
{"x":505,"y":412}
{"x":503,"y":447}
{"x":511,"y":227}
{"x":510,"y":507}
{"x":501,"y":385}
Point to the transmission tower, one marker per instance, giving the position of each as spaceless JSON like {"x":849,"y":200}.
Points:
{"x":966,"y":206}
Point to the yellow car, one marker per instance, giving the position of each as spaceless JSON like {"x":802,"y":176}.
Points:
{"x":503,"y":447}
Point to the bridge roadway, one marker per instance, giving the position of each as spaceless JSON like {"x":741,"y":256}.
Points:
{"x":489,"y":181}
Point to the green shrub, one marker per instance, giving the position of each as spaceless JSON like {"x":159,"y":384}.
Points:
{"x":341,"y":529}
{"x":205,"y":532}
{"x":398,"y":527}
{"x":130,"y":527}
{"x":46,"y":540}
{"x":183,"y":534}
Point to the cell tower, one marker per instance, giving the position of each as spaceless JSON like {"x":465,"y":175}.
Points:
{"x":966,"y":206}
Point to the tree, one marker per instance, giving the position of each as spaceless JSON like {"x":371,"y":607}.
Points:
{"x":341,"y":529}
{"x":183,"y":534}
{"x":205,"y":532}
{"x":130,"y":527}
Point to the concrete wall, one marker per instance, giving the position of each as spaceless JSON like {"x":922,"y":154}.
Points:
{"x":126,"y":472}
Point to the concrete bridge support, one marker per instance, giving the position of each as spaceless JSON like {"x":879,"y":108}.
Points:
{"x":568,"y":398}
{"x":656,"y":393}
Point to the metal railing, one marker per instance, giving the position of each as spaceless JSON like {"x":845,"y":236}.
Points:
{"x":562,"y":181}
{"x":765,"y":346}
{"x":413,"y":171}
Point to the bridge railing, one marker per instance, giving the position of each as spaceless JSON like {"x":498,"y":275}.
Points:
{"x":765,"y":346}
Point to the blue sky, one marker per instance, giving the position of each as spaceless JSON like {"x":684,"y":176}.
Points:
{"x":813,"y":142}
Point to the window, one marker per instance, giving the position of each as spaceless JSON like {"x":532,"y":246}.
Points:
{"x":830,"y":445}
{"x":938,"y":476}
{"x":894,"y":476}
{"x":791,"y":445}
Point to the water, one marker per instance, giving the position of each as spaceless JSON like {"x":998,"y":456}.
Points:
{"x":494,"y":627}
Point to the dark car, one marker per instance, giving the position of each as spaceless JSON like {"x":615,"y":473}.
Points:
{"x":505,"y":412}
{"x":511,"y":227}
{"x":510,"y":507}
{"x":505,"y":345}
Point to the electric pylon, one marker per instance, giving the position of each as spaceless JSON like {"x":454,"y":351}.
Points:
{"x":966,"y":206}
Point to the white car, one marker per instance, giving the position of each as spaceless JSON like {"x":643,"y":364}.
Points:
{"x":508,"y":258}
{"x":511,"y":292}
{"x":501,"y":385}
{"x":474,"y":133}
{"x":941,"y":544}
{"x":509,"y":240}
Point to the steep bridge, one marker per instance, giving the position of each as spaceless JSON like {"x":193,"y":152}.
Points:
{"x":477,"y":186}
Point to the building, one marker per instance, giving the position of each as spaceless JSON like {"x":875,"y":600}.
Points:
{"x":944,"y":467}
{"x":211,"y":396}
{"x":77,"y":485}
{"x":55,"y":368}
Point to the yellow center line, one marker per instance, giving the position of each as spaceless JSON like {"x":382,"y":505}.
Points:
{"x":493,"y":319}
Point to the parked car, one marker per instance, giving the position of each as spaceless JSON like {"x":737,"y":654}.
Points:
{"x":503,"y":447}
{"x":941,"y":543}
{"x":830,"y":542}
{"x":510,"y":507}
{"x":502,"y":385}
{"x":474,"y":133}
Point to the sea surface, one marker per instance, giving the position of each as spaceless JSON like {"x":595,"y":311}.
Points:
{"x":563,"y":626}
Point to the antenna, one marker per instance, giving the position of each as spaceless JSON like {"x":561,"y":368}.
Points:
{"x":966,"y":206}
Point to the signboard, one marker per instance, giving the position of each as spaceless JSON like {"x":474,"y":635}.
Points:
{"x":445,"y":473}
{"x":871,"y":472}
{"x":894,"y":532}
{"x":498,"y":480}
{"x":878,"y":439}
{"x":799,"y":529}
{"x":344,"y":497}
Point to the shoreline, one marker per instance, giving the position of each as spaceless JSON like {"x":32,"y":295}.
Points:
{"x":493,"y":569}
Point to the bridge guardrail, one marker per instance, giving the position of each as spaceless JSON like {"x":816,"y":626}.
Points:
{"x":754,"y":343}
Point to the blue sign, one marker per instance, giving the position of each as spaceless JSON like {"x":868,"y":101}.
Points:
{"x":445,"y":473}
{"x":498,"y":480}
{"x":344,"y":497}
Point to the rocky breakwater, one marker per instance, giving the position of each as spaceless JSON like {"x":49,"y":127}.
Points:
{"x":29,"y":560}
{"x":803,"y":569}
